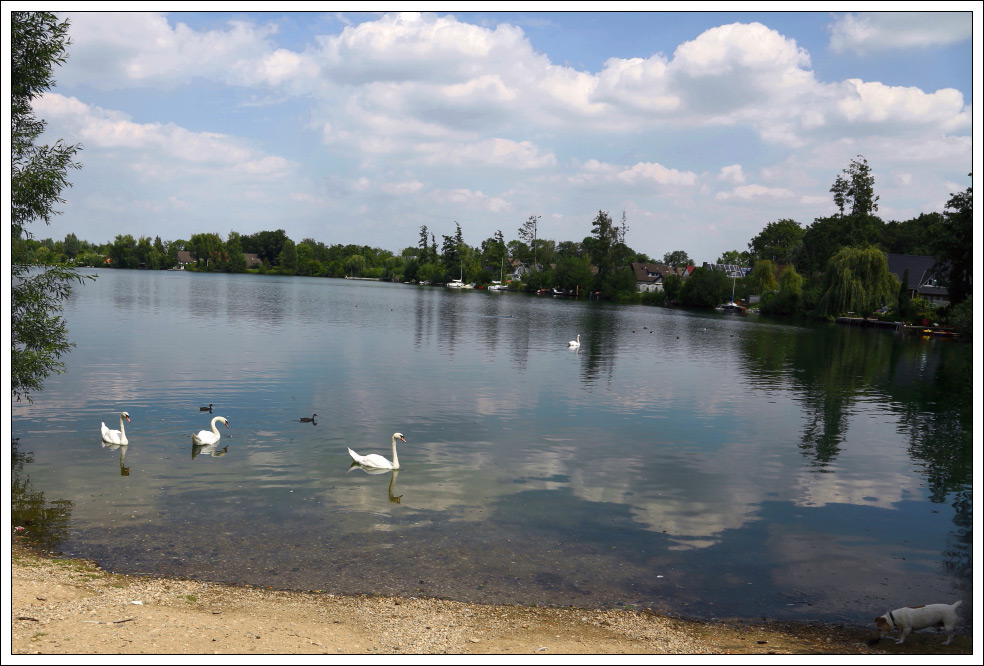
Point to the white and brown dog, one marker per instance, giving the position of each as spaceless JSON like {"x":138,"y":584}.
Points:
{"x":912,"y":618}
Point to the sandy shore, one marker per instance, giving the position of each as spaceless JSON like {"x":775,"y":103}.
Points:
{"x":72,"y":607}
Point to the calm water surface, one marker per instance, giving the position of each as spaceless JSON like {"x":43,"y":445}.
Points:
{"x":699,"y":464}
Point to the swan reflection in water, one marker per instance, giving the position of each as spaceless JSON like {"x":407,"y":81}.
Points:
{"x":212,"y":450}
{"x":395,"y":499}
{"x":124,"y":470}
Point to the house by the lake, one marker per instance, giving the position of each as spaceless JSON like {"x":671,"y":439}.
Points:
{"x":926,"y":278}
{"x":649,"y":276}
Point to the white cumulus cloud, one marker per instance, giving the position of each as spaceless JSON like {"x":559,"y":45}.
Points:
{"x":882,"y":31}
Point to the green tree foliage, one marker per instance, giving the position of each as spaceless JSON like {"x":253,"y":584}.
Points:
{"x":528,"y":233}
{"x":677,"y":258}
{"x":788,"y":299}
{"x":954,"y":245}
{"x":790,"y":282}
{"x":779,"y":241}
{"x":762,"y":278}
{"x":570,"y":249}
{"x":839,"y":190}
{"x":601,"y":247}
{"x":905,"y":309}
{"x":123,"y":252}
{"x":287,"y":260}
{"x":424,"y":255}
{"x":860,"y":188}
{"x":857,"y":280}
{"x":494,"y":254}
{"x":857,"y":228}
{"x":913,"y":236}
{"x":208,"y":250}
{"x":672,"y":286}
{"x":705,"y":288}
{"x":234,"y":249}
{"x":451,"y":255}
{"x":71,"y":246}
{"x":573,"y":273}
{"x":267,"y":245}
{"x":38,"y":42}
{"x":355,"y":265}
{"x":821,"y":240}
{"x":735,"y":258}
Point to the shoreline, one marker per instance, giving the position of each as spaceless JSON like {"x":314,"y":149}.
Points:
{"x":68,"y":606}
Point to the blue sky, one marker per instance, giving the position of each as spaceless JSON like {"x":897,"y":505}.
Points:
{"x":361,"y":127}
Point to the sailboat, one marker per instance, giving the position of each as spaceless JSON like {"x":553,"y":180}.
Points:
{"x":732,"y":307}
{"x":459,"y":283}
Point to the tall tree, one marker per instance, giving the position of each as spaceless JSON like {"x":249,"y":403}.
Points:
{"x":860,"y":188}
{"x":778,"y":241}
{"x":494,"y":253}
{"x":605,"y":236}
{"x":71,"y":246}
{"x":39,"y":338}
{"x":424,"y":250}
{"x":865,"y":227}
{"x":234,"y":249}
{"x":527,"y":232}
{"x":839,"y":190}
{"x":266,"y":244}
{"x":288,"y":257}
{"x":913,"y":236}
{"x":857,"y":280}
{"x":677,"y":258}
{"x":451,"y":254}
{"x":762,"y":278}
{"x":954,"y":245}
{"x":208,"y":250}
{"x":706,"y":288}
{"x":859,"y":228}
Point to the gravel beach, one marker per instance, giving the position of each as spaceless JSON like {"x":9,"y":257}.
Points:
{"x":61,"y":606}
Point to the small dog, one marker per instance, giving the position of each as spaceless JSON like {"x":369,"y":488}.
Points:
{"x":918,"y":617}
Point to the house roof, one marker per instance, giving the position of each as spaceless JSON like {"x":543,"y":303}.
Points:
{"x":923,"y":276}
{"x":184,"y":257}
{"x":653,"y":272}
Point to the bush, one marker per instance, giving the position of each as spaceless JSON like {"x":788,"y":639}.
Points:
{"x":653,"y":297}
{"x":961,"y":316}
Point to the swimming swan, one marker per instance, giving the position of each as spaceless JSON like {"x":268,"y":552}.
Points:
{"x":575,"y":343}
{"x":378,"y":461}
{"x":115,"y":436}
{"x":205,"y":437}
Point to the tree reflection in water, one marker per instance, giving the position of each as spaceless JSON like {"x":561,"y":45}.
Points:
{"x":45,"y":522}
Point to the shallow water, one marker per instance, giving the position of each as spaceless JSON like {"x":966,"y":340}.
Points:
{"x":700,"y":464}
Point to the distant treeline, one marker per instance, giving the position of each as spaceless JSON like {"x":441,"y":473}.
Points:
{"x":830,"y":266}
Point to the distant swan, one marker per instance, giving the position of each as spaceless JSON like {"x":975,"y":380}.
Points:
{"x":205,"y":437}
{"x":378,"y":461}
{"x":575,"y":343}
{"x":115,"y":436}
{"x":309,"y":419}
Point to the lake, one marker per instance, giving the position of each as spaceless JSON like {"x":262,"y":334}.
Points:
{"x":700,"y":464}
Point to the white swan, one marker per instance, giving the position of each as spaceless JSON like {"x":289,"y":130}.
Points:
{"x":575,"y":343}
{"x":378,"y":461}
{"x":115,"y":436}
{"x":205,"y":437}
